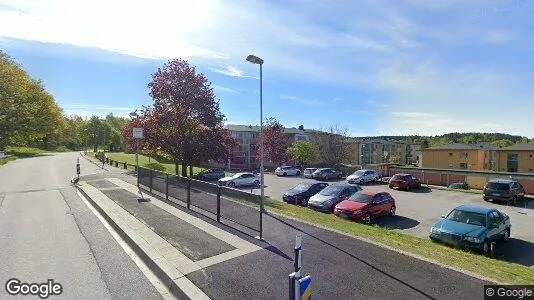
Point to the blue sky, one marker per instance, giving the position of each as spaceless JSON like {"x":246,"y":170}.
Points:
{"x":375,"y":67}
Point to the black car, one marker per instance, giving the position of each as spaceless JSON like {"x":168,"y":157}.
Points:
{"x":302,"y":192}
{"x":505,"y":190}
{"x":327,"y":174}
{"x":210,"y":174}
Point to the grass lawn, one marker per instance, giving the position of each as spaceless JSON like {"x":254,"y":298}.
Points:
{"x":498,"y":270}
{"x":19,"y":152}
{"x":155,"y":163}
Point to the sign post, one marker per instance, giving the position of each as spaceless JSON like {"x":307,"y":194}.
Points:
{"x":78,"y":168}
{"x":299,"y":287}
{"x":137,"y":134}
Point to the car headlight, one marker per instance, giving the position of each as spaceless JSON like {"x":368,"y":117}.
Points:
{"x":434,"y":230}
{"x":472,"y":239}
{"x":357,"y":212}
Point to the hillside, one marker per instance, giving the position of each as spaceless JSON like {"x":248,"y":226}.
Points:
{"x":497,"y":139}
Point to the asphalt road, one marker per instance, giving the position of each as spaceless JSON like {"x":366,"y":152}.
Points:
{"x":418,"y":210}
{"x":47,"y":232}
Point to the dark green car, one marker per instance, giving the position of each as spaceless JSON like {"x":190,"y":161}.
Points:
{"x":473,"y":227}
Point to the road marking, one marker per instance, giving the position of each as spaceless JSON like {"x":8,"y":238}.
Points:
{"x":160,"y":287}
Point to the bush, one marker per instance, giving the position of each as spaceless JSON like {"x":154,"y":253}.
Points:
{"x":62,"y":149}
{"x":155,"y":166}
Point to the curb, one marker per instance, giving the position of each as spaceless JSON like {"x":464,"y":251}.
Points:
{"x":154,"y":267}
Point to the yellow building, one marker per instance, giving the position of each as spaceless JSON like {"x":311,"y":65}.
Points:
{"x":517,"y":158}
{"x":460,"y":156}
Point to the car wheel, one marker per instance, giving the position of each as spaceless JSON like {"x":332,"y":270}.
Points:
{"x":408,"y":187}
{"x":362,"y":181}
{"x":304,"y":202}
{"x":485,"y":199}
{"x":231,"y":184}
{"x":486,"y":248}
{"x":256,"y":182}
{"x":390,"y":187}
{"x":376,"y":179}
{"x":326,"y":178}
{"x":285,"y":174}
{"x":367,"y":218}
{"x":392,"y":211}
{"x":506,"y":237}
{"x":298,"y":173}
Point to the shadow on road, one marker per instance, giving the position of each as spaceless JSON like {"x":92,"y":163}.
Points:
{"x":526,"y":203}
{"x":383,"y":272}
{"x":421,"y":190}
{"x":397,"y":222}
{"x":278,"y":252}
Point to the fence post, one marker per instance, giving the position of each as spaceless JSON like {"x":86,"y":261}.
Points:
{"x":218,"y":203}
{"x":166,"y":186}
{"x":125,"y":166}
{"x":150,"y":173}
{"x":188,"y":193}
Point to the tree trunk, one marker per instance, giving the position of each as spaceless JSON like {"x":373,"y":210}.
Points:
{"x":176,"y":168}
{"x":190,"y":171}
{"x":95,"y":148}
{"x":184,"y":169}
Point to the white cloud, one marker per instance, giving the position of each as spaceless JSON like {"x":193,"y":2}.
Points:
{"x":336,"y":98}
{"x":97,"y":107}
{"x":302,"y":100}
{"x":231,"y":71}
{"x":224,"y":89}
{"x":377,"y":103}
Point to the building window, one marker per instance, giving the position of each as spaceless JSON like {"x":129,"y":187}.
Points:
{"x":463,"y":154}
{"x":512,"y":156}
{"x":530,"y":156}
{"x":450,"y":153}
{"x":530,"y":170}
{"x":463,"y":166}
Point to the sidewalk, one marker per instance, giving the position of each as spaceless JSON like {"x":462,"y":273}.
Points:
{"x":201,"y":258}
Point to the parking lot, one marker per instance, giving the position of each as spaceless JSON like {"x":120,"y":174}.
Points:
{"x":418,"y":210}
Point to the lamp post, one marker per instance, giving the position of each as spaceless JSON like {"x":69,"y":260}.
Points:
{"x":258,"y":61}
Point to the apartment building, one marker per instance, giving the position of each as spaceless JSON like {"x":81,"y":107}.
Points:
{"x":461,"y":156}
{"x":247,"y":154}
{"x":377,"y":151}
{"x":516,"y":158}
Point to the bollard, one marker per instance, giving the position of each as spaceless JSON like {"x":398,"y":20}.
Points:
{"x":150,"y":174}
{"x":166,"y":186}
{"x":218,"y":204}
{"x":189,"y":194}
{"x":125,"y":166}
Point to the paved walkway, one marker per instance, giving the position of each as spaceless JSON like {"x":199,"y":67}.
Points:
{"x":206,"y":259}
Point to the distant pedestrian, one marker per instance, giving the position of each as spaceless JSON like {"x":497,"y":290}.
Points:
{"x":104,"y":158}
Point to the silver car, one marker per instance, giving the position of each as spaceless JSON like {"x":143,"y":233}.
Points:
{"x":331,"y":195}
{"x":363,"y":176}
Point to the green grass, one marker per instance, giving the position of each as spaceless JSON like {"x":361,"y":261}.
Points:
{"x":155,"y":163}
{"x":6,"y":160}
{"x":497,"y":270}
{"x":24,"y":151}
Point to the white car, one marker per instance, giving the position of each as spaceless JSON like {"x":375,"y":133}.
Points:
{"x":363,"y":176}
{"x":240,"y":179}
{"x":287,"y":170}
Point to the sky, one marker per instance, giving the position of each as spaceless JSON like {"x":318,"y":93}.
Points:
{"x":398,"y":67}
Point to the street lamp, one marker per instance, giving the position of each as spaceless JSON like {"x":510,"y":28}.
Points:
{"x":258,"y":61}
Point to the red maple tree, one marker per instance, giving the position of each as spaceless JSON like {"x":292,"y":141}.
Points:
{"x":275,"y":142}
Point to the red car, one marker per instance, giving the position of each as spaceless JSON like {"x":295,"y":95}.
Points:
{"x":404,"y":181}
{"x":365,"y":206}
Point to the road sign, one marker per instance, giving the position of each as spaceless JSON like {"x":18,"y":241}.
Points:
{"x":138,"y":133}
{"x":305,"y":289}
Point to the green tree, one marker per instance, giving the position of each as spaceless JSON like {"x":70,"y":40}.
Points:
{"x":96,"y":133}
{"x":304,"y":152}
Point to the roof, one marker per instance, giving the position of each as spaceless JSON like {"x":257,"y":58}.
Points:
{"x":250,"y":128}
{"x":458,"y":146}
{"x":369,"y":192}
{"x":474,"y":208}
{"x":516,"y":147}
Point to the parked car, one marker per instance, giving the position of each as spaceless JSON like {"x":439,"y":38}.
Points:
{"x":331,"y":195}
{"x":240,"y":179}
{"x":210,"y":174}
{"x":366,"y":205}
{"x":287,"y":170}
{"x":472,"y":227}
{"x":505,"y":190}
{"x":301,"y":193}
{"x":326,"y":174}
{"x":363,"y":176}
{"x":404,"y":181}
{"x":459,"y":186}
{"x":308,"y":172}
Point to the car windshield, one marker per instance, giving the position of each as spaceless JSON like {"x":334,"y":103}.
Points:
{"x":302,"y":187}
{"x":498,"y":186}
{"x":238,"y":175}
{"x":360,"y":197}
{"x":331,"y":190}
{"x":309,"y":170}
{"x":359,"y":173}
{"x":467,"y":217}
